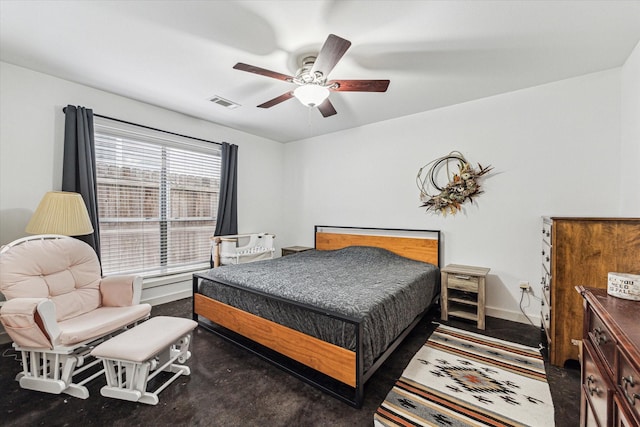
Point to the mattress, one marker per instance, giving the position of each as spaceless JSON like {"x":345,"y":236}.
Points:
{"x":383,"y":291}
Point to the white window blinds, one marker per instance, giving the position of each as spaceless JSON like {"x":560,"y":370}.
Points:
{"x":157,"y":199}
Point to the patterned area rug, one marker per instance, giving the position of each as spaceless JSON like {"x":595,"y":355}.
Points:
{"x":459,"y":378}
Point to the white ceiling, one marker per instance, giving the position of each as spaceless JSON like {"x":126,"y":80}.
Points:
{"x":179,"y":54}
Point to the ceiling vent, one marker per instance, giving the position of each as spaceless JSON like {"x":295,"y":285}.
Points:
{"x":224,"y":102}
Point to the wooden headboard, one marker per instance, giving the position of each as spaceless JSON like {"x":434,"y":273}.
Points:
{"x":419,"y":245}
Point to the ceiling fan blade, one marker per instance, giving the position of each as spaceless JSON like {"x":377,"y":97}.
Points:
{"x":326,"y":108}
{"x":359,"y":85}
{"x":330,"y":53}
{"x":277,"y":100}
{"x":261,"y":71}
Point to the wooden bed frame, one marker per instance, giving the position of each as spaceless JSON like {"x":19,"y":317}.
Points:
{"x":333,"y":369}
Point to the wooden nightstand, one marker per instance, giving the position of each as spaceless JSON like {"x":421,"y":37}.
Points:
{"x":463,"y":292}
{"x":294,"y":250}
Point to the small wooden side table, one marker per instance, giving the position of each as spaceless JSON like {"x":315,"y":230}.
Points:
{"x":294,"y":250}
{"x":463,"y":292}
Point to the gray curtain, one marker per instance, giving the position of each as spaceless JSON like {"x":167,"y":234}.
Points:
{"x":227,"y":222}
{"x":79,"y":165}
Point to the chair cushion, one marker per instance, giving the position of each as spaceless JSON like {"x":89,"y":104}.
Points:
{"x":99,"y":322}
{"x":145,"y":340}
{"x":66,"y":270}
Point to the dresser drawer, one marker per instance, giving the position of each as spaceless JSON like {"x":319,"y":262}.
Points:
{"x":546,"y":256}
{"x":595,"y":386}
{"x":545,"y":314}
{"x":629,"y":382}
{"x":602,"y":340}
{"x":621,"y":417}
{"x":546,"y":230}
{"x":462,"y":282}
{"x":546,"y":283}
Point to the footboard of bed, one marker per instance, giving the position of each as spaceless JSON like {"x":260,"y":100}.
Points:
{"x":333,"y":369}
{"x":328,"y":367}
{"x":332,"y":360}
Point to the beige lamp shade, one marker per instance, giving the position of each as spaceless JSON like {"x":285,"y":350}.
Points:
{"x":61,"y":212}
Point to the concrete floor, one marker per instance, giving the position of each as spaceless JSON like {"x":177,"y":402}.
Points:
{"x":229,"y":386}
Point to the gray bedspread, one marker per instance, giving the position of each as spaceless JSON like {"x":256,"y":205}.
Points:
{"x":385,"y":291}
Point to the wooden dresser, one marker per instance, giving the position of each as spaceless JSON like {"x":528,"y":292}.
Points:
{"x":610,"y":392}
{"x":578,"y":251}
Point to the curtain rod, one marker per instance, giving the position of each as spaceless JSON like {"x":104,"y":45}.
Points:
{"x":64,"y":110}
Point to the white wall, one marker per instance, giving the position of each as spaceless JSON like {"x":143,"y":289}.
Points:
{"x":31,"y":151}
{"x":630,"y":133}
{"x":554,"y":148}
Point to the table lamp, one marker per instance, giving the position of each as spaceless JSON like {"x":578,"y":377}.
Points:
{"x":60,"y":212}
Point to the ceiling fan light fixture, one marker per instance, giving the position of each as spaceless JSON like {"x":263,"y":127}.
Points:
{"x":313,"y":88}
{"x":311,"y":95}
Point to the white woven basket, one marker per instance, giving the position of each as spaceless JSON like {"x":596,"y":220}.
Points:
{"x":624,"y":285}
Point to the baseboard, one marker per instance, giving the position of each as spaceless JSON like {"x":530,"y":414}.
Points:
{"x":165,"y":298}
{"x":514,"y":316}
{"x":161,"y":290}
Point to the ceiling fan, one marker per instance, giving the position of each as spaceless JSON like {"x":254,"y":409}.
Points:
{"x":313,"y":88}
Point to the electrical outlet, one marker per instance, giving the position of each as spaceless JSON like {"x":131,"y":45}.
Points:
{"x":524,"y":285}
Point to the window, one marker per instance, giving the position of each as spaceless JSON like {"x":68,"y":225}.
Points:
{"x":157,"y":199}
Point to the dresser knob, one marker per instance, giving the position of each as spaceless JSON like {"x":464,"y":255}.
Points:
{"x":592,"y":390}
{"x":601,"y":337}
{"x":631,"y":397}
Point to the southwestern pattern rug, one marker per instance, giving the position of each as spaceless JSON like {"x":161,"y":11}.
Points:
{"x":459,"y":378}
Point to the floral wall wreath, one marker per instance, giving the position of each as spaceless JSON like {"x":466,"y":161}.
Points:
{"x":461,"y":186}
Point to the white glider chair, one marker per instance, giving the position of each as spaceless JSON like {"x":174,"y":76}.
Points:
{"x":59,"y":307}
